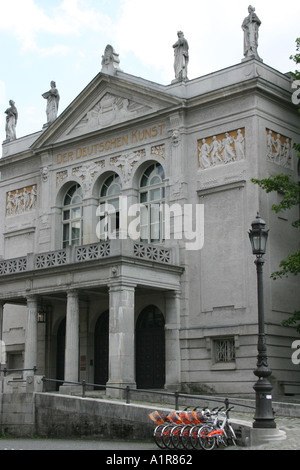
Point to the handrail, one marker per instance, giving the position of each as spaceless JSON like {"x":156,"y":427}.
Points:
{"x":128,"y":391}
{"x":5,"y":370}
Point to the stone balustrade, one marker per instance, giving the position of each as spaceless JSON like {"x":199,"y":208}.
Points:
{"x":87,"y":253}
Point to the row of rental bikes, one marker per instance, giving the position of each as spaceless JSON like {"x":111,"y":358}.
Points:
{"x":205,"y":429}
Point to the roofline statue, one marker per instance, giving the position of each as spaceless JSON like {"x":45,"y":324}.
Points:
{"x":181,"y":58}
{"x":11,"y":122}
{"x":250,"y":27}
{"x":52,"y":97}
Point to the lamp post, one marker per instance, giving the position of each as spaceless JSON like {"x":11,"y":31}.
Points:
{"x":264,"y":415}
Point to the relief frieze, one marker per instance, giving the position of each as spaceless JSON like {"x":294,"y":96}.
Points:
{"x":221,"y":149}
{"x":279,"y":149}
{"x":21,"y":200}
{"x":87,"y":172}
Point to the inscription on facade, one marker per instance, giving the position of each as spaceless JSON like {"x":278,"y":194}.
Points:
{"x":221,"y":149}
{"x":21,"y":200}
{"x":134,"y":137}
{"x":279,"y":149}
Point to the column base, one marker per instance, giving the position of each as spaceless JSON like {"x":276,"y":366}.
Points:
{"x":119,"y":392}
{"x":69,"y":389}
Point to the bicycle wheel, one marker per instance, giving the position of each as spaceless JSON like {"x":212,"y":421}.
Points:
{"x":185,"y":437}
{"x":230,"y":435}
{"x":176,"y":437}
{"x":194,"y":439}
{"x":207,"y":443}
{"x":158,"y":434}
{"x":166,"y":436}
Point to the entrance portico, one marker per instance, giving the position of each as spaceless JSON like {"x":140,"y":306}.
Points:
{"x":79,"y":292}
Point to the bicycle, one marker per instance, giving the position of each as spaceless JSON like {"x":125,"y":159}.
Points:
{"x":194,"y":431}
{"x":218,"y":433}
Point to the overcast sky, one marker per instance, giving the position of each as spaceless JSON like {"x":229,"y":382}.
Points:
{"x":64,"y":40}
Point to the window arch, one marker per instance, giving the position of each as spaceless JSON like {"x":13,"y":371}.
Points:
{"x":152,"y":195}
{"x":109,"y":207}
{"x":72,"y":216}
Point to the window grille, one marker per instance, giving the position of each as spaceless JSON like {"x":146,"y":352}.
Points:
{"x":224,"y":350}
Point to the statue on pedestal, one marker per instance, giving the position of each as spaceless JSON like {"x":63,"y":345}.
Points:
{"x":250,"y":27}
{"x":11,"y":122}
{"x":52,"y":97}
{"x":181,"y":57}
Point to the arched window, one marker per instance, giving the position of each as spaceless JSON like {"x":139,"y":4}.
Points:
{"x":72,"y":216}
{"x":152,"y":195}
{"x":109,"y":208}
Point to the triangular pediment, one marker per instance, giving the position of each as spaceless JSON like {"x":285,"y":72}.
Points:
{"x":107,"y":102}
{"x":109,"y":110}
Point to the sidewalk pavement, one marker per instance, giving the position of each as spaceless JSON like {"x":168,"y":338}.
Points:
{"x":291,"y":427}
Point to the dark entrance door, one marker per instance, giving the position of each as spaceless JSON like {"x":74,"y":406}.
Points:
{"x":101,"y":350}
{"x":60,"y":352}
{"x":150,"y":349}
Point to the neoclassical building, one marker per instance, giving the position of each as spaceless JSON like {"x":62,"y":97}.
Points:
{"x":124,"y":249}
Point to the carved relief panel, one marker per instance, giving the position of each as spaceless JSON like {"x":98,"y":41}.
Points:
{"x":221,"y":149}
{"x":21,"y":200}
{"x":279,"y":149}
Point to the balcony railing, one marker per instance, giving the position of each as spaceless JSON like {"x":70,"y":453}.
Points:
{"x":85,"y":253}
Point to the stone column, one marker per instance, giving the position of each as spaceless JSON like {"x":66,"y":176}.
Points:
{"x":1,"y":318}
{"x":121,"y":338}
{"x":30,"y":360}
{"x":72,"y":338}
{"x":173,"y":359}
{"x":2,"y":345}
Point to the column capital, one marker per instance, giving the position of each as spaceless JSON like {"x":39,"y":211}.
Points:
{"x":120,"y":285}
{"x":72,"y":293}
{"x":31,"y":298}
{"x":173,"y":294}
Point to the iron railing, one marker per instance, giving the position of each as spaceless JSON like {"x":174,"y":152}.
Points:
{"x":175,"y":396}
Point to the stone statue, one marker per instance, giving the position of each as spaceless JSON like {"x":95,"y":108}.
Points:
{"x":11,"y":121}
{"x":52,"y":97}
{"x":110,"y":60}
{"x":181,"y":57}
{"x":250,"y":27}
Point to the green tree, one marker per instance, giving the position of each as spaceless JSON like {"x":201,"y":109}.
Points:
{"x":290,"y":191}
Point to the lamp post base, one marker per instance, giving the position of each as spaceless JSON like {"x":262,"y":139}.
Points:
{"x":264,"y":414}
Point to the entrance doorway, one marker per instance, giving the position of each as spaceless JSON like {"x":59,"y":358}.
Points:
{"x":101,"y":350}
{"x":150,"y":349}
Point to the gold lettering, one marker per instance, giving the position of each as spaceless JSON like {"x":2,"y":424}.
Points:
{"x":154,"y":131}
{"x":148,"y":133}
{"x":161,"y":126}
{"x":135,"y":136}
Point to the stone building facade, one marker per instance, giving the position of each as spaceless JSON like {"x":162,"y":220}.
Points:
{"x":171,"y":303}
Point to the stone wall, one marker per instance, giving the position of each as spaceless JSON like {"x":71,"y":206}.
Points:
{"x":61,"y":416}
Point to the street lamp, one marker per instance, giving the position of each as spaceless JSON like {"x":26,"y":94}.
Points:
{"x":264,"y":415}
